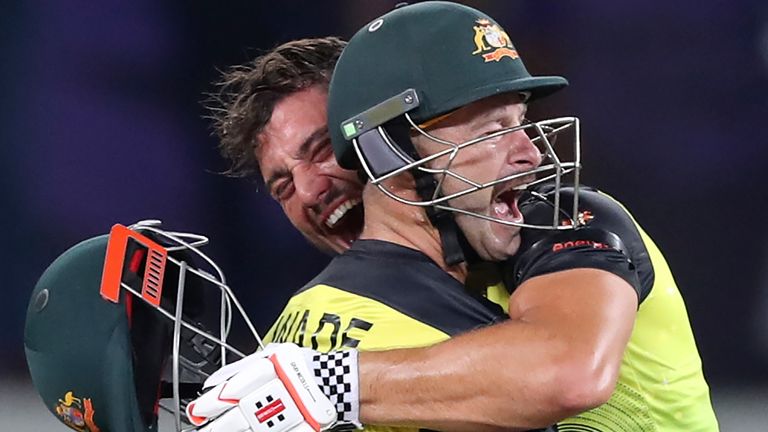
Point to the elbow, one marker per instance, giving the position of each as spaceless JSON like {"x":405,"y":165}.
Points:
{"x":582,"y":386}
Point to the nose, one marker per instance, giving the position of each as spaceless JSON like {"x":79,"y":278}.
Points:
{"x":310,"y":184}
{"x":523,"y":153}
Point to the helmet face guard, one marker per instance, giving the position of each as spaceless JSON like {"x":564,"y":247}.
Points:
{"x":133,"y":307}
{"x":203,"y":343}
{"x":418,"y":63}
{"x":382,"y":156}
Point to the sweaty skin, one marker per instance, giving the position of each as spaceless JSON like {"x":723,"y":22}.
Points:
{"x":484,"y":162}
{"x":560,"y":352}
{"x":557,"y":356}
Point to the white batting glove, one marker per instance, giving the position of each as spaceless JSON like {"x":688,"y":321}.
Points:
{"x":281,"y":388}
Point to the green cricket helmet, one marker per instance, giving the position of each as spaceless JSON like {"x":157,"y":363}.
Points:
{"x":116,"y":329}
{"x":416,"y":64}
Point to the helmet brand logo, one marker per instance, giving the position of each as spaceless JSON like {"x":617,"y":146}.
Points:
{"x":76,"y":413}
{"x":375,"y":25}
{"x":492,"y":42}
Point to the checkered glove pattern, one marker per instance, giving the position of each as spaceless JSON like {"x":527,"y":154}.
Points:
{"x":336,"y":375}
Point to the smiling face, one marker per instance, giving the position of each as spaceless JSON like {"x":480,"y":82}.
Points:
{"x":321,"y":199}
{"x":491,"y":159}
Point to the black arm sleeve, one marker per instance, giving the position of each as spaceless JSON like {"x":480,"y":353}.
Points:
{"x":610,"y":241}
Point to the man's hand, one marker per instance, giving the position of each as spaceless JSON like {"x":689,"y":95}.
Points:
{"x":281,"y":388}
{"x":272,"y":390}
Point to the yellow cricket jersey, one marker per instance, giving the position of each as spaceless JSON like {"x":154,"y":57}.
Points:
{"x":661,"y":386}
{"x":380,"y":296}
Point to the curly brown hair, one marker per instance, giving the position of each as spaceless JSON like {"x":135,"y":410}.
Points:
{"x":246,"y":95}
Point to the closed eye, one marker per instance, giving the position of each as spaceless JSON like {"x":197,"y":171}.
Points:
{"x":323,"y":151}
{"x":283,"y":190}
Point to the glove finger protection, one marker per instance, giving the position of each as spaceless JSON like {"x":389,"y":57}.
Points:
{"x":230,"y":370}
{"x":273,"y":390}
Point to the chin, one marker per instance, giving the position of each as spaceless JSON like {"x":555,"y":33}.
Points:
{"x":512,"y":246}
{"x":503,"y":243}
{"x":341,"y":243}
{"x":499,"y":252}
{"x":336,"y":246}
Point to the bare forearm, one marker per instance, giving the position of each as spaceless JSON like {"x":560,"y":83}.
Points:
{"x":558,"y":355}
{"x":469,"y":383}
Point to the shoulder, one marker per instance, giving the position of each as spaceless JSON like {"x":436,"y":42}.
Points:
{"x":595,"y":208}
{"x":378,"y":275}
{"x":609,"y":239}
{"x":375,"y":267}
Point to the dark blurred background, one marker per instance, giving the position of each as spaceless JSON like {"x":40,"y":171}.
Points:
{"x":102,"y":123}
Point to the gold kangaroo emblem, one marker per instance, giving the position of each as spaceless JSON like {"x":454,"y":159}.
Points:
{"x":480,"y":39}
{"x":69,"y":398}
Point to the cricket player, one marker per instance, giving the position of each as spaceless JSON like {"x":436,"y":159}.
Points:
{"x":597,"y":336}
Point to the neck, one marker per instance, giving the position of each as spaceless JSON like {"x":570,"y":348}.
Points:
{"x":405,"y":225}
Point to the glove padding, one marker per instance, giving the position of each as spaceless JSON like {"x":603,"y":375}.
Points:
{"x":273,"y":390}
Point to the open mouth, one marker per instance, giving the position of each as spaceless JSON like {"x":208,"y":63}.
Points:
{"x":344,"y":208}
{"x":345,"y":223}
{"x":504,"y":205}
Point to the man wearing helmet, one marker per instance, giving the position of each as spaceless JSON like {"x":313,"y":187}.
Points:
{"x":598,"y":337}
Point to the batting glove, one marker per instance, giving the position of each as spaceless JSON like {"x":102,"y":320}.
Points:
{"x":281,"y":388}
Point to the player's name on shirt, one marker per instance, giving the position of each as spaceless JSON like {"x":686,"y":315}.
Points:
{"x":339,"y":332}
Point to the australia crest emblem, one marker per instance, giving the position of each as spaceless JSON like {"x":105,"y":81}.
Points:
{"x":492,"y":42}
{"x":77,"y":413}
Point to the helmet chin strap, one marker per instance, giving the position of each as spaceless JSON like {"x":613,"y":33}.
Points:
{"x":452,"y":240}
{"x":454,"y":244}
